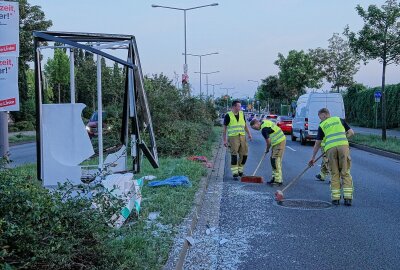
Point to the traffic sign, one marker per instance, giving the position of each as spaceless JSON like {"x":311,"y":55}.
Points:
{"x":378,"y":94}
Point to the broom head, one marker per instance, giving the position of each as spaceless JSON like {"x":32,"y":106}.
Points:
{"x":252,"y":179}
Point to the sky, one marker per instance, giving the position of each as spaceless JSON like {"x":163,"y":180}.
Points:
{"x":248,"y":35}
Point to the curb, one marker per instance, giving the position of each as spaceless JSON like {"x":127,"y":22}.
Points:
{"x":375,"y":151}
{"x":195,"y":213}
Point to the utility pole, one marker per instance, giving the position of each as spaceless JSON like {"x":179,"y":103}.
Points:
{"x":4,"y":146}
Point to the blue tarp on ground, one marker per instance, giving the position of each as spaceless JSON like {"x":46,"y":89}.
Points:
{"x":172,"y":181}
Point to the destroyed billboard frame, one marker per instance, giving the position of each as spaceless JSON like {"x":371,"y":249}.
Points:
{"x":136,"y":118}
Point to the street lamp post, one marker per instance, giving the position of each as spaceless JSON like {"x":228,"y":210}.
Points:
{"x":200,"y":56}
{"x":206,"y":73}
{"x":213,"y":85}
{"x":227,"y":94}
{"x":258,"y":85}
{"x":185,"y":69}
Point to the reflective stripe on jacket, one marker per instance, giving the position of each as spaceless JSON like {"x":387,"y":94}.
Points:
{"x":236,"y":127}
{"x":277,"y":136}
{"x":335,"y":134}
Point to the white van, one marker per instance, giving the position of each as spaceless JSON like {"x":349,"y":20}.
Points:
{"x":306,"y":121}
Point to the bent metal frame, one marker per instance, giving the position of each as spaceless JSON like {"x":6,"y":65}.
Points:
{"x":136,"y":113}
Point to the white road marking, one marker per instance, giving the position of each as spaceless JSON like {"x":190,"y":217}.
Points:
{"x":291,"y":148}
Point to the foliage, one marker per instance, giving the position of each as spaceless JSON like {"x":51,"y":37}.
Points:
{"x":57,"y":72}
{"x":360,"y":106}
{"x":181,"y":123}
{"x":378,"y":39}
{"x":298,"y":71}
{"x":59,"y":229}
{"x":338,"y":63}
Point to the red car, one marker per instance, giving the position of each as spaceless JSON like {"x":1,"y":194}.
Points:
{"x":285,"y":123}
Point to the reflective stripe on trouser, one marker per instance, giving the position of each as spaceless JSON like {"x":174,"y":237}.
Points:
{"x":340,"y":165}
{"x":238,"y":146}
{"x":324,"y":172}
{"x":276,"y":159}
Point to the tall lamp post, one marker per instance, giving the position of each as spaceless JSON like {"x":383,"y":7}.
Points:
{"x":206,"y":73}
{"x":185,"y":69}
{"x":200,"y":56}
{"x":258,"y":85}
{"x":227,"y":94}
{"x":213,"y":85}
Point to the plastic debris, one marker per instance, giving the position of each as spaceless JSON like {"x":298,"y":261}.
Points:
{"x":172,"y":181}
{"x":208,"y":231}
{"x":190,"y":240}
{"x":154,"y":215}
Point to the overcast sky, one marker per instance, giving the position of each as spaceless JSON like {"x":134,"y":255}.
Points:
{"x":247,"y":34}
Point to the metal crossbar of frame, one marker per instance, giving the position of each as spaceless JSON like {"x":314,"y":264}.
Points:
{"x":136,"y":118}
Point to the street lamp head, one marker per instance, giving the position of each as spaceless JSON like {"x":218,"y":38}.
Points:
{"x":214,"y":4}
{"x":155,"y":6}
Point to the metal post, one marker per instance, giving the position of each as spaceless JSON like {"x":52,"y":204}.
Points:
{"x":4,"y":146}
{"x":99,"y":113}
{"x":376,"y":115}
{"x":200,"y":76}
{"x":184,"y":14}
{"x":207,"y":84}
{"x":72,"y":74}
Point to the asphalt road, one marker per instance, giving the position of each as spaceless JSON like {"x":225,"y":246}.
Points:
{"x":23,"y":154}
{"x":262,"y":235}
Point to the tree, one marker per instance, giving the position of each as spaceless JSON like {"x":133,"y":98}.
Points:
{"x":57,"y":72}
{"x":378,"y":39}
{"x":297,"y":72}
{"x":31,"y":18}
{"x":338,"y":63}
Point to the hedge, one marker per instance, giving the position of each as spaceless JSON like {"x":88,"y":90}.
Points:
{"x":360,"y":106}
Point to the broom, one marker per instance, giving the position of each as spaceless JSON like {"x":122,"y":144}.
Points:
{"x":279,"y":193}
{"x":253,"y":178}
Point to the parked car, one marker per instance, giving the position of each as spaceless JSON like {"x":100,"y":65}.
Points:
{"x":271,"y":117}
{"x":91,"y":126}
{"x":285,"y":123}
{"x":306,"y":121}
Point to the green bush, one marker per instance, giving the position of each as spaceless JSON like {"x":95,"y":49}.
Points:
{"x":22,"y":126}
{"x":181,"y":123}
{"x":360,"y":106}
{"x":40,"y":229}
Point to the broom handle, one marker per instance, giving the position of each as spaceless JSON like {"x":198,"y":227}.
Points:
{"x":301,"y":174}
{"x":259,"y":163}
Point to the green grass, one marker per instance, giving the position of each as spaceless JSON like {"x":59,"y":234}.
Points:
{"x":19,"y":138}
{"x":146,"y":245}
{"x":391,"y":144}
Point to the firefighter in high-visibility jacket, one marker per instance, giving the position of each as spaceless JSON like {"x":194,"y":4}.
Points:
{"x":236,"y":128}
{"x":276,"y":140}
{"x":334,"y":132}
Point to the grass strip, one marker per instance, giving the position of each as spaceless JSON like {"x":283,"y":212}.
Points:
{"x":19,"y":138}
{"x":375,"y":141}
{"x":145,"y":244}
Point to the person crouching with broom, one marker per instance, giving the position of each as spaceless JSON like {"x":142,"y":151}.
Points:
{"x":274,"y":138}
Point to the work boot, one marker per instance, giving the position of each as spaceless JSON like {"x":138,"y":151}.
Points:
{"x":335,"y":202}
{"x":271,"y":182}
{"x":235,"y":176}
{"x":319,"y":177}
{"x":240,"y":174}
{"x":347,"y":202}
{"x":278,"y":184}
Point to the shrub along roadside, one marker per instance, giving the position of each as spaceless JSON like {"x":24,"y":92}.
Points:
{"x":63,"y":233}
{"x":20,"y":138}
{"x":375,"y":141}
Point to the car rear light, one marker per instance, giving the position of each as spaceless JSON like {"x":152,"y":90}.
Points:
{"x":306,"y":124}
